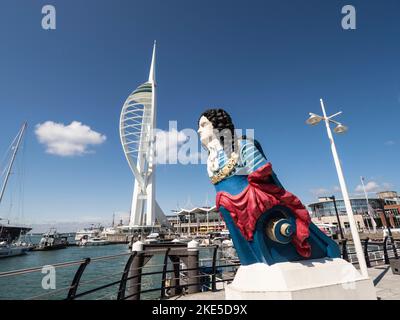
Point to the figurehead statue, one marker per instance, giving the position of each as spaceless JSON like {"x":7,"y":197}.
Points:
{"x":267,"y":223}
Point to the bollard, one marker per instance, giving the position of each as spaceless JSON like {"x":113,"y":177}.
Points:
{"x":175,"y":281}
{"x":193,"y":245}
{"x":135,"y":273}
{"x":193,"y":266}
{"x":137,"y":246}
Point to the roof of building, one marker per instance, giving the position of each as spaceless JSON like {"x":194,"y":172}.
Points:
{"x":196,"y":210}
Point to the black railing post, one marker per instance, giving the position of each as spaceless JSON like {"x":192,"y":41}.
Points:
{"x":122,"y":285}
{"x":77,"y":278}
{"x":337,"y":217}
{"x":389,"y":229}
{"x":366,"y":253}
{"x":164,"y":273}
{"x":385,"y":252}
{"x":345,"y":254}
{"x":214,"y":269}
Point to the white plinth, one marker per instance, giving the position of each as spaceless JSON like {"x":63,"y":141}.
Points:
{"x":322,"y":279}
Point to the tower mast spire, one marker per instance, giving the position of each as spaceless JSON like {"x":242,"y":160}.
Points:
{"x":152,"y":74}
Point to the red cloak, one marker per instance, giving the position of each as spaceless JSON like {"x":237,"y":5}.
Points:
{"x":259,"y":196}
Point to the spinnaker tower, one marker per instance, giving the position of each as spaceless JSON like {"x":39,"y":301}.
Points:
{"x":137,"y":127}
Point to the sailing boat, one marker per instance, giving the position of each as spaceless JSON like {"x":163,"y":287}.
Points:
{"x":10,"y":233}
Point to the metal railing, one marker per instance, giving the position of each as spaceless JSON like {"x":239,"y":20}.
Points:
{"x":205,"y":276}
{"x":375,"y":252}
{"x":175,"y":277}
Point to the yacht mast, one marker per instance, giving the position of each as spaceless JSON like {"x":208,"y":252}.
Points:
{"x":15,"y":147}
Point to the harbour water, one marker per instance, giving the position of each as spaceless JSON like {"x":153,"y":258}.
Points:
{"x":29,"y":286}
{"x":97,"y":273}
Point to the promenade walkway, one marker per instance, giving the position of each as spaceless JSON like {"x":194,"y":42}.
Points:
{"x":386,"y":283}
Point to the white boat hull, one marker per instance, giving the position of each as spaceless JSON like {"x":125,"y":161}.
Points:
{"x":6,"y":252}
{"x":94,"y":243}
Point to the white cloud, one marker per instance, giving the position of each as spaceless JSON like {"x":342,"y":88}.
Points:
{"x":67,"y":140}
{"x":320,"y":192}
{"x":371,"y":186}
{"x":390,"y":143}
{"x":387,"y":186}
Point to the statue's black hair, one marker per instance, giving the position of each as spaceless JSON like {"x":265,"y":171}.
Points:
{"x":221,"y":120}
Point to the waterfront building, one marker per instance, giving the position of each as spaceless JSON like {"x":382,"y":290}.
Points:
{"x":197,"y":221}
{"x":389,"y":195}
{"x":203,"y":220}
{"x":323,"y":211}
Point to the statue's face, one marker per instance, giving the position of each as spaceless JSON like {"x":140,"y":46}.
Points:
{"x":206,"y":131}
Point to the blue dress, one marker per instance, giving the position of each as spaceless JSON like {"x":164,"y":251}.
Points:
{"x":262,"y":248}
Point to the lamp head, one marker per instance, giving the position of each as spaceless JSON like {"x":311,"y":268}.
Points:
{"x":340,"y":128}
{"x":314,"y":119}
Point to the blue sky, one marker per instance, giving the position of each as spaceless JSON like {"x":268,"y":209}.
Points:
{"x":266,"y":62}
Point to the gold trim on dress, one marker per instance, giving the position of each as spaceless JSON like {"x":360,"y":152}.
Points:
{"x":225,"y":171}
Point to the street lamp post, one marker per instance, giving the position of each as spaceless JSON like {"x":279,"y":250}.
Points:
{"x":313,"y":120}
